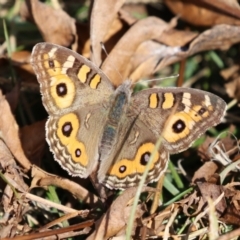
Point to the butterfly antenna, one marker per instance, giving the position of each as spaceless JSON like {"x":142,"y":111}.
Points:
{"x":114,"y":67}
{"x":103,"y":48}
{"x":157,"y":79}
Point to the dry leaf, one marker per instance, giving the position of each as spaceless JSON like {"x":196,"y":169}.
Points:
{"x":232,"y":77}
{"x":33,"y":141}
{"x":116,"y":218}
{"x":231,"y":216}
{"x":13,"y":97}
{"x":156,"y":223}
{"x":206,"y":13}
{"x":42,"y":179}
{"x":219,"y":37}
{"x":147,"y":57}
{"x":12,"y":209}
{"x":9,"y":133}
{"x":101,"y":23}
{"x":205,"y":173}
{"x":173,"y":37}
{"x":55,"y":25}
{"x":119,"y":58}
{"x":213,"y":191}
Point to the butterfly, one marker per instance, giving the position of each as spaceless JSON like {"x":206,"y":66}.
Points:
{"x":94,"y":125}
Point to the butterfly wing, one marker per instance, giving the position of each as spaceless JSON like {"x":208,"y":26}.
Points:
{"x":179,"y":115}
{"x":68,"y":80}
{"x":133,"y":150}
{"x":176,"y":115}
{"x":74,"y":92}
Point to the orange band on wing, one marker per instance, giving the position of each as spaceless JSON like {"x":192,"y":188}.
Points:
{"x":137,"y":165}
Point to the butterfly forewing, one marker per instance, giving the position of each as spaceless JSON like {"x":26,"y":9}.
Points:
{"x":178,"y":115}
{"x":67,"y":80}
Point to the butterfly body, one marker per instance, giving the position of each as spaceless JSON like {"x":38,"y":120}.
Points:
{"x":93,"y":124}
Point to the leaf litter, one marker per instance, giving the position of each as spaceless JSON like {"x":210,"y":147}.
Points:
{"x":136,"y":49}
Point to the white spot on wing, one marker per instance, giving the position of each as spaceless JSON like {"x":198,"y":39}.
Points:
{"x":52,"y":52}
{"x":186,"y":100}
{"x":207,"y":100}
{"x":68,"y":64}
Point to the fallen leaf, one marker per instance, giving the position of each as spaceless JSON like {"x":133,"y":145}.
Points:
{"x":42,"y":179}
{"x":206,"y":13}
{"x":119,"y":58}
{"x":219,"y":37}
{"x":232,"y":78}
{"x":101,"y":23}
{"x":13,"y":97}
{"x":116,"y":218}
{"x":12,"y":209}
{"x":55,"y":25}
{"x":33,"y":141}
{"x":231,"y":216}
{"x":213,"y":191}
{"x":206,"y":173}
{"x":9,"y":133}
